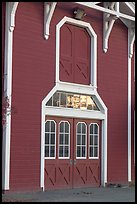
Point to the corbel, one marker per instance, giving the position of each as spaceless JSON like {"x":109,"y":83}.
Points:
{"x":131,"y":39}
{"x":48,"y":13}
{"x":12,"y":11}
{"x":108,"y":22}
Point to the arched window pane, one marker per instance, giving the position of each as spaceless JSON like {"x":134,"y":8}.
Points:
{"x":50,"y":138}
{"x":64,"y":139}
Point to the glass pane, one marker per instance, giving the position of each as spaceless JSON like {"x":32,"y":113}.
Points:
{"x":49,"y":103}
{"x":91,"y":129}
{"x":83,"y":102}
{"x":46,"y":138}
{"x":79,"y":128}
{"x":91,"y":139}
{"x":78,"y":151}
{"x":66,"y":127}
{"x":83,"y":139}
{"x":83,"y":151}
{"x":46,"y":151}
{"x":62,"y":127}
{"x":69,"y":101}
{"x":91,"y":151}
{"x":56,"y":99}
{"x":52,"y":151}
{"x":47,"y":126}
{"x":95,"y":129}
{"x":66,"y":151}
{"x":90,"y":103}
{"x":76,"y":101}
{"x":95,"y":140}
{"x":60,"y":151}
{"x":52,"y":139}
{"x":78,"y":139}
{"x":61,"y":138}
{"x":52,"y":126}
{"x":63,"y":100}
{"x":66,"y":139}
{"x":95,"y":151}
{"x":83,"y":128}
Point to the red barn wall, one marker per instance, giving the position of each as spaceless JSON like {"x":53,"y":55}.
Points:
{"x":34,"y":77}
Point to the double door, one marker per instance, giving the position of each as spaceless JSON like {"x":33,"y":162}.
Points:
{"x":72,"y":153}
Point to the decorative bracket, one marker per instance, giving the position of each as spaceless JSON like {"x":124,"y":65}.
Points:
{"x":48,"y":13}
{"x":108,"y":22}
{"x":12,"y":11}
{"x":131,"y":39}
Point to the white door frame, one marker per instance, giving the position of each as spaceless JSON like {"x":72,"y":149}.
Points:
{"x":53,"y":111}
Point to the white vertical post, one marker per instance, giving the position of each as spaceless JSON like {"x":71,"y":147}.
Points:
{"x":104,"y":151}
{"x":129,"y":108}
{"x":7,"y":93}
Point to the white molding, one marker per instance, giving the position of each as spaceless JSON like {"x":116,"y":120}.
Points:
{"x":131,"y":39}
{"x":99,"y":8}
{"x":93,"y":36}
{"x":101,"y":115}
{"x":104,"y":151}
{"x":129,"y":109}
{"x":48,"y":13}
{"x":11,"y":8}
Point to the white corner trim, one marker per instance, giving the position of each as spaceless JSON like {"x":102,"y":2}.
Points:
{"x":129,"y":108}
{"x":93,"y":36}
{"x":13,"y":8}
{"x":9,"y":27}
{"x":131,"y":39}
{"x":48,"y":13}
{"x":102,"y":115}
{"x":104,"y":151}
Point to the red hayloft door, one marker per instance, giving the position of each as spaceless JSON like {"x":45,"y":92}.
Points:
{"x":75,"y":54}
{"x":72,"y":153}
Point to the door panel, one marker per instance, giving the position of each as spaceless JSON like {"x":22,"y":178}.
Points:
{"x":77,"y":169}
{"x":58,"y":171}
{"x":86,"y":172}
{"x":75,"y":54}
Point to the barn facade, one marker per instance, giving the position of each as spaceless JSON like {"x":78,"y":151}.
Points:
{"x":68,"y":94}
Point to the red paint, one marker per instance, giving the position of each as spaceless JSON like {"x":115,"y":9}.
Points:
{"x":74,"y":54}
{"x":34,"y":76}
{"x":72,"y":172}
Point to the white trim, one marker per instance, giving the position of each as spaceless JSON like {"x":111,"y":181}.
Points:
{"x":9,"y":27}
{"x":75,"y":113}
{"x":93,"y":36}
{"x":129,"y":109}
{"x":102,"y":115}
{"x":100,"y":8}
{"x":104,"y":151}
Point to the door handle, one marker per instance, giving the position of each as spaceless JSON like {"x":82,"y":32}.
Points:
{"x":70,"y":161}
